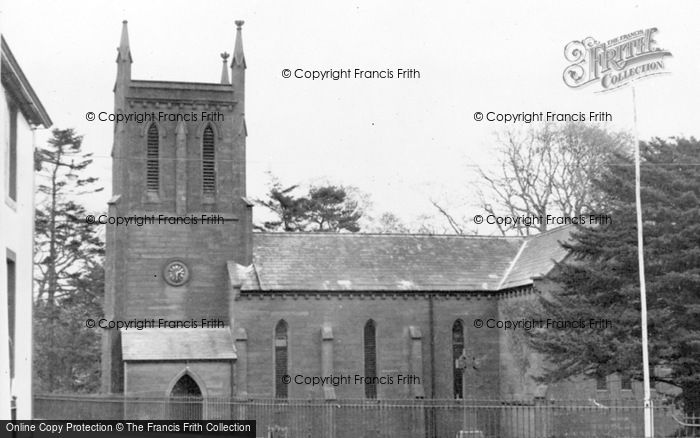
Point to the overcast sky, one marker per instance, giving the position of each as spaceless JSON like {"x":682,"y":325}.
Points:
{"x":404,"y":141}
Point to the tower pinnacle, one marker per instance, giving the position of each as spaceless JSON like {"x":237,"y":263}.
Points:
{"x":124,"y":51}
{"x":238,"y":57}
{"x":224,"y":68}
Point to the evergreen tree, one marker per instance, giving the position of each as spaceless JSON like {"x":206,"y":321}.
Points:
{"x":329,"y":208}
{"x":326,"y":208}
{"x":69,"y":277}
{"x":288,"y":208}
{"x":67,"y":353}
{"x":600,"y":279}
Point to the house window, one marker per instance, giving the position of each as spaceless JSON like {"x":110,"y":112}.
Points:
{"x":12,"y":186}
{"x":457,"y":351}
{"x":152,"y":165}
{"x":11,"y":311}
{"x":601,"y":383}
{"x":370,"y":339}
{"x":208,"y":161}
{"x":281,"y":388}
{"x":626,"y":382}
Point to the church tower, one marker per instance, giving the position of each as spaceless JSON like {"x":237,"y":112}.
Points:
{"x":179,"y":168}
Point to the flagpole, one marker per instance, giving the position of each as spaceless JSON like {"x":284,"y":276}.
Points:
{"x":648,"y":414}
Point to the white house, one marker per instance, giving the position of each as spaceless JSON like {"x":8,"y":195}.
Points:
{"x":21,"y":113}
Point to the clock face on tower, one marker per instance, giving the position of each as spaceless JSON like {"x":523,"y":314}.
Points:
{"x":176,"y":273}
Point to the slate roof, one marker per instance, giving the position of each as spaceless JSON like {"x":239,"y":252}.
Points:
{"x":396,"y":262}
{"x":177,"y":344}
{"x":537,"y":257}
{"x":14,"y":79}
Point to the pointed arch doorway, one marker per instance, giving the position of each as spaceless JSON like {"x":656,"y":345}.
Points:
{"x":186,"y":399}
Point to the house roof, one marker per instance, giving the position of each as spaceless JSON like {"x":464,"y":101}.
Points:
{"x":14,"y":80}
{"x":396,"y":262}
{"x":177,"y":344}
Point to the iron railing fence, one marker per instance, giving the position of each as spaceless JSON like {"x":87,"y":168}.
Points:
{"x":412,"y":418}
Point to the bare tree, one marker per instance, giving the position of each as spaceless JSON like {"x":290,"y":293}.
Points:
{"x":547,"y":170}
{"x":386,"y":223}
{"x":454,"y":223}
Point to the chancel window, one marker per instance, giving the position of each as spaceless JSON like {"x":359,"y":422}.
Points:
{"x":457,"y":352}
{"x":281,"y":387}
{"x":370,"y":341}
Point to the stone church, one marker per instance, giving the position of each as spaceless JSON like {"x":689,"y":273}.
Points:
{"x":397,"y":314}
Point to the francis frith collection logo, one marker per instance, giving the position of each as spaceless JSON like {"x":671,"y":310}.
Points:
{"x":616,"y":62}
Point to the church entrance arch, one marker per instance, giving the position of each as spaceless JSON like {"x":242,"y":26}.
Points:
{"x":186,"y":399}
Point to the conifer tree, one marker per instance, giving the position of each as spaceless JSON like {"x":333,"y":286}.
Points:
{"x":326,"y":208}
{"x":600,"y":277}
{"x":69,"y":277}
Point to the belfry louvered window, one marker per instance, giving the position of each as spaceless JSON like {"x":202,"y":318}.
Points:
{"x":457,"y":352}
{"x":370,"y":360}
{"x":281,"y":387}
{"x":208,"y":160}
{"x":152,"y":165}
